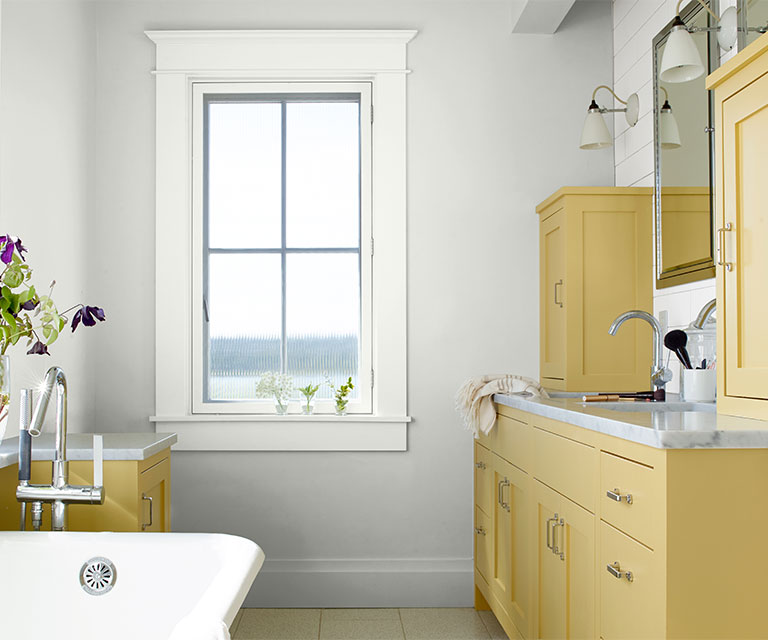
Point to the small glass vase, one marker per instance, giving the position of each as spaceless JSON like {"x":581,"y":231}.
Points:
{"x":281,"y":408}
{"x":341,"y":410}
{"x":307,"y":407}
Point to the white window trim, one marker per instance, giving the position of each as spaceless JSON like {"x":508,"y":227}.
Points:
{"x":187,"y":57}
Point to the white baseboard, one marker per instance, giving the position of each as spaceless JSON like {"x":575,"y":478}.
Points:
{"x":441,"y":582}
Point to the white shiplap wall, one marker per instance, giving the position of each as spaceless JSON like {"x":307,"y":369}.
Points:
{"x":635,"y":23}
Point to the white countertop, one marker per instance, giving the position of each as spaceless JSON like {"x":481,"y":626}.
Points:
{"x":117,"y":446}
{"x":653,"y":424}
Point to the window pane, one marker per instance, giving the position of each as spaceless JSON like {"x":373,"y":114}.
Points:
{"x":323,"y":318}
{"x":244,"y":174}
{"x":323,"y":174}
{"x":245,"y":308}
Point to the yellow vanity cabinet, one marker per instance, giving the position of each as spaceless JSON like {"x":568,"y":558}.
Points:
{"x":595,"y":260}
{"x":600,"y":537}
{"x":138,"y":495}
{"x":741,"y":120}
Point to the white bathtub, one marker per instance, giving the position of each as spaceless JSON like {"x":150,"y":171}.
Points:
{"x":160,"y":578}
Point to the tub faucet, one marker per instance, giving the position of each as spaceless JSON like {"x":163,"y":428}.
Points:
{"x":59,"y":493}
{"x":660,"y":375}
{"x":705,"y":314}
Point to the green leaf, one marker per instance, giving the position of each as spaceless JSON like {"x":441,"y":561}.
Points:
{"x":14,"y":276}
{"x":53,"y":335}
{"x":10,"y":320}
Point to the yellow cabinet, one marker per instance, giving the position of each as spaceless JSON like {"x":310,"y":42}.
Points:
{"x":565,"y":575}
{"x":595,"y":263}
{"x":741,"y":117}
{"x":138,"y":495}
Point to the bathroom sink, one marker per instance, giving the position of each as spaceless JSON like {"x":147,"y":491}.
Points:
{"x":674,"y":406}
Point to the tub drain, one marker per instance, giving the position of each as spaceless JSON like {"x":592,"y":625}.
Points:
{"x":97,"y":576}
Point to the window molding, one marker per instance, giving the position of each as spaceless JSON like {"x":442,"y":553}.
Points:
{"x":187,"y":57}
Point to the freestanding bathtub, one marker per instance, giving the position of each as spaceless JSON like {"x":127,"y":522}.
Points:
{"x":120,"y":586}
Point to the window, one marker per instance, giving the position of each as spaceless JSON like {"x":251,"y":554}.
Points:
{"x":283,"y":211}
{"x":247,"y":257}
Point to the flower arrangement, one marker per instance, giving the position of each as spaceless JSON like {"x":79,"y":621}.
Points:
{"x":341,"y":395}
{"x":276,"y":385}
{"x":25,"y":314}
{"x":308,"y":392}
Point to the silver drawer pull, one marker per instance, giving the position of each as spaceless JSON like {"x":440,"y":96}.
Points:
{"x":615,"y":570}
{"x":559,"y":283}
{"x":149,"y":524}
{"x":502,"y":484}
{"x":480,"y":465}
{"x":480,"y":531}
{"x":721,"y":246}
{"x":555,"y":549}
{"x":550,"y":546}
{"x":616,"y":495}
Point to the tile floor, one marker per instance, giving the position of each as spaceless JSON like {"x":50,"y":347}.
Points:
{"x":366,"y":624}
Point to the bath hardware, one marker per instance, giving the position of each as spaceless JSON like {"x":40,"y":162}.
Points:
{"x":98,"y":576}
{"x":480,"y":465}
{"x":559,"y":283}
{"x":146,"y":497}
{"x":480,"y":531}
{"x":550,"y":545}
{"x":721,"y":248}
{"x":616,"y":495}
{"x":502,"y":484}
{"x":555,"y":550}
{"x":59,"y":493}
{"x":705,"y":314}
{"x":615,"y":570}
{"x":660,"y":375}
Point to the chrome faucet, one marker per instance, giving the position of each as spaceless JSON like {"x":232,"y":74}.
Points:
{"x":660,"y":375}
{"x":59,"y":493}
{"x":705,"y":314}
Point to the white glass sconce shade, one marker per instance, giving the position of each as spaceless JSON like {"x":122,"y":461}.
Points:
{"x":681,"y":61}
{"x":595,"y":134}
{"x":669,"y":134}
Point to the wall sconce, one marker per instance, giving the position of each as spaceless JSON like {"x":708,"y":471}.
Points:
{"x":681,"y":61}
{"x":595,"y":134}
{"x":669,"y":134}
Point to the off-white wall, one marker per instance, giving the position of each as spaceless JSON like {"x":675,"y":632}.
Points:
{"x":635,"y":24}
{"x":493,"y":127}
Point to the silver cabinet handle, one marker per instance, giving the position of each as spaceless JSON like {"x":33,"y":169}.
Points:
{"x":721,"y":246}
{"x":555,"y":550}
{"x":616,"y":495}
{"x":502,"y":484}
{"x":480,"y":465}
{"x":559,"y":283}
{"x":549,"y":544}
{"x":615,"y":570}
{"x":480,"y":531}
{"x":146,"y":497}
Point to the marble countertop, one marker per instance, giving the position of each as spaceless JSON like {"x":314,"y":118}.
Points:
{"x":117,"y":446}
{"x":674,"y":425}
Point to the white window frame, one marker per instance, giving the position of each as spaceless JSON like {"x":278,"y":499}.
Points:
{"x":362,"y":403}
{"x":185,"y":58}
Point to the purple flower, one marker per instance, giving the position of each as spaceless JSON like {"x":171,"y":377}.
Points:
{"x":30,"y":305}
{"x":88,"y":316}
{"x":9,"y":243}
{"x":39,"y":348}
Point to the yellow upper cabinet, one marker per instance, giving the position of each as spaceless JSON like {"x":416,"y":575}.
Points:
{"x":741,"y":120}
{"x":595,"y":263}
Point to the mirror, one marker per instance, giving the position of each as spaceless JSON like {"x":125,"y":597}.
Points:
{"x":752,"y":20}
{"x":684,"y":161}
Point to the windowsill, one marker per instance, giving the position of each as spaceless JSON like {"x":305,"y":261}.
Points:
{"x":293,"y":432}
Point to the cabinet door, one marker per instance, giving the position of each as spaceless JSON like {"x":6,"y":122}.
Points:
{"x":502,"y":531}
{"x":550,"y":619}
{"x":553,"y":294}
{"x":155,"y":497}
{"x":745,"y":140}
{"x":578,"y":554}
{"x":483,"y":543}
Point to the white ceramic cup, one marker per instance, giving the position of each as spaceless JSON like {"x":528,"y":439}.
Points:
{"x":698,"y":385}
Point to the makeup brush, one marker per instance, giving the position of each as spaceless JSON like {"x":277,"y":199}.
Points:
{"x":675,"y":341}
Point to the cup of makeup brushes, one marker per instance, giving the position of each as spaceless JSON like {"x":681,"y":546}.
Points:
{"x":698,"y":385}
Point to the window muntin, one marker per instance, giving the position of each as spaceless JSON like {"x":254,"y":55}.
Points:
{"x":287,"y":289}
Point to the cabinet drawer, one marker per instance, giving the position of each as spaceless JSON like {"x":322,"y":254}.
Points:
{"x":630,"y":609}
{"x":483,"y":543}
{"x":637,"y":504}
{"x":513,"y":441}
{"x":567,"y":466}
{"x":484,"y":492}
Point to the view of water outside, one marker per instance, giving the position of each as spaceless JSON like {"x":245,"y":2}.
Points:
{"x":245,"y":236}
